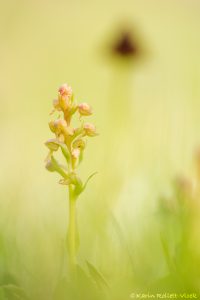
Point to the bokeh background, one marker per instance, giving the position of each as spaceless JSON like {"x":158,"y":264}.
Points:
{"x":146,"y":109}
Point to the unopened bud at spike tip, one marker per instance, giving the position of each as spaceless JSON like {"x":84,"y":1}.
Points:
{"x":65,"y":89}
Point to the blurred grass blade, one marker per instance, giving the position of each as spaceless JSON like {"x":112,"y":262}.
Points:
{"x":122,"y":239}
{"x":2,"y":294}
{"x":80,"y":287}
{"x":13,"y":292}
{"x":97,"y":276}
{"x":168,"y":258}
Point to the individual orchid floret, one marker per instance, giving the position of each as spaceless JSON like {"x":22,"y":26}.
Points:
{"x":49,"y":166}
{"x":52,"y":144}
{"x":52,"y":126}
{"x":90,"y":129}
{"x":56,"y":105}
{"x":60,"y":125}
{"x":53,"y":166}
{"x":79,"y":143}
{"x":65,"y":90}
{"x":84,"y":109}
{"x":76,"y":153}
{"x":61,"y":128}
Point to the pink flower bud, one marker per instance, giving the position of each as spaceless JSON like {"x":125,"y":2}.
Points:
{"x":60,"y":124}
{"x":66,"y":90}
{"x":90,"y":129}
{"x":84,"y":109}
{"x":61,"y":129}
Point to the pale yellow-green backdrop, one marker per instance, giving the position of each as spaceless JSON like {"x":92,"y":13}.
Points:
{"x":46,"y":43}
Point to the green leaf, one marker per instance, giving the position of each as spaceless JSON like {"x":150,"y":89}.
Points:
{"x":88,"y":180}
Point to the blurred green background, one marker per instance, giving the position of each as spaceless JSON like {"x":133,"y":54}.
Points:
{"x":147,"y":113}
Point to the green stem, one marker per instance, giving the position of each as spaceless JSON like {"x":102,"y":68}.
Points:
{"x":72,"y":230}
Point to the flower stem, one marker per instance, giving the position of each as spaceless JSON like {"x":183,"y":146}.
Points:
{"x":72,"y":230}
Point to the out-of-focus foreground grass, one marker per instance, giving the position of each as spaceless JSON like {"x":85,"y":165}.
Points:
{"x":138,"y":232}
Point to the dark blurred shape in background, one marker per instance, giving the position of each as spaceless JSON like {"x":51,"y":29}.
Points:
{"x":126,"y":44}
